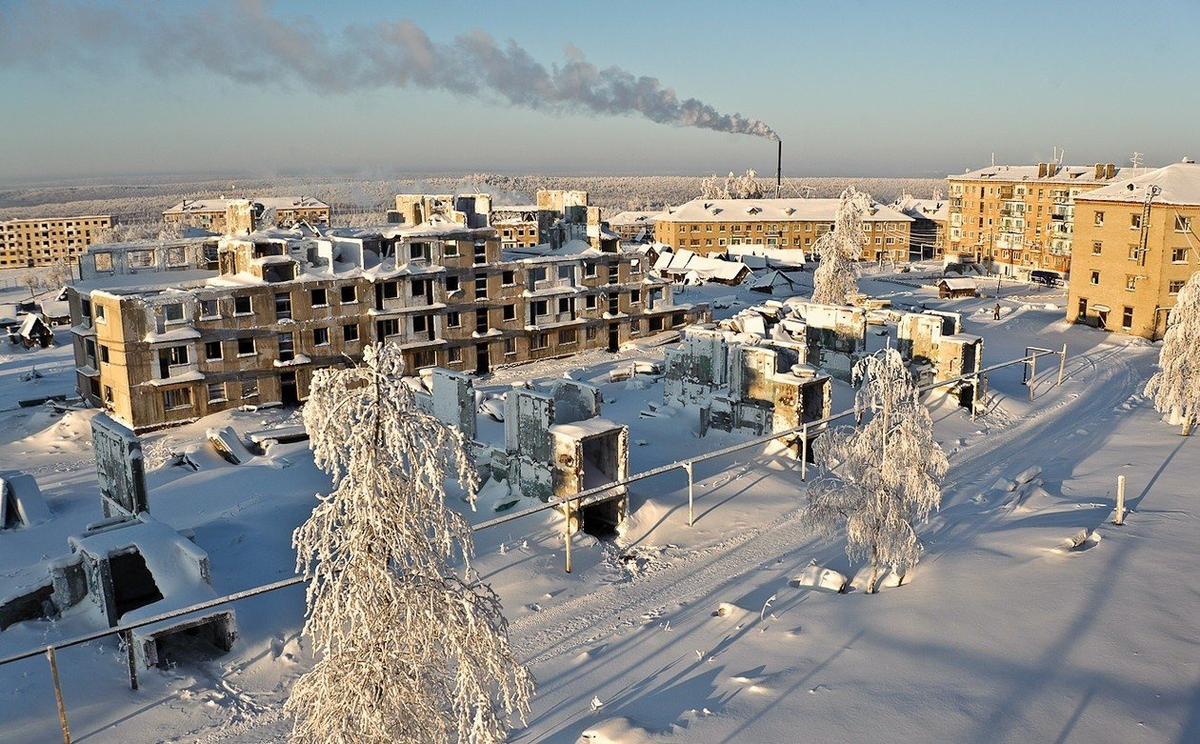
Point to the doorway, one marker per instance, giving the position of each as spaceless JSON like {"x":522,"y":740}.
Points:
{"x":614,"y":337}
{"x":133,"y":584}
{"x":482,"y":360}
{"x":1102,"y":319}
{"x":288,"y":394}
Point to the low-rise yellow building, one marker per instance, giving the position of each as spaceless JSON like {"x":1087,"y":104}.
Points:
{"x":1136,"y":244}
{"x":708,"y":226}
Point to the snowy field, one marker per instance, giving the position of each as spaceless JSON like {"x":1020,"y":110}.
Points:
{"x":703,"y":633}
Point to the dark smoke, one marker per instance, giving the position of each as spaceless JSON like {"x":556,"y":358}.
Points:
{"x":241,"y":40}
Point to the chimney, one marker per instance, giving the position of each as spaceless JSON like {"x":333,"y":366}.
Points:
{"x":1041,"y":170}
{"x":1111,"y":170}
{"x":1099,"y":171}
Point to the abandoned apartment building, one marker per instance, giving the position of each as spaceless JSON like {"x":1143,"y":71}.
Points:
{"x":164,"y":339}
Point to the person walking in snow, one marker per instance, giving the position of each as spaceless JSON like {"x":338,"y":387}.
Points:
{"x":996,"y":312}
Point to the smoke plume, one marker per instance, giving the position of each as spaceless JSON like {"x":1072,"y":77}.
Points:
{"x":241,"y":40}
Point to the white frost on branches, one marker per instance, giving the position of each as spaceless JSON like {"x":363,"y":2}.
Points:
{"x":746,"y":186}
{"x":1175,"y":388}
{"x":838,"y":249}
{"x":882,"y":478}
{"x":409,"y":651}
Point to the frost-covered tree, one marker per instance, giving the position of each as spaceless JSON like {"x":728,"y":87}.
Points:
{"x":32,"y":281}
{"x":409,"y":649}
{"x":834,"y":281}
{"x":880,"y":479}
{"x":58,"y":274}
{"x":1175,"y":388}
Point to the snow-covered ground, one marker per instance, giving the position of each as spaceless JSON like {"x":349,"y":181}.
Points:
{"x":703,"y":633}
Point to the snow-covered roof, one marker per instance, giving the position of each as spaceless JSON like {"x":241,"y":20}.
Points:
{"x":632,"y":218}
{"x":772,"y":278}
{"x":269,"y":202}
{"x":1178,"y":183}
{"x":952,"y":282}
{"x":1062,"y":174}
{"x":769,"y":210}
{"x":686,"y":262}
{"x":929,"y":209}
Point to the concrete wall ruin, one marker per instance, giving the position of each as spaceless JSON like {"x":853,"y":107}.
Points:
{"x":453,"y":397}
{"x":119,"y":467}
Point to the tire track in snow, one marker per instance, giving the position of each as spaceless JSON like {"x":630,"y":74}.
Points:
{"x":582,"y":621}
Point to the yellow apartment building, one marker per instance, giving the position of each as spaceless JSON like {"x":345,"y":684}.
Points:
{"x":1136,"y":244}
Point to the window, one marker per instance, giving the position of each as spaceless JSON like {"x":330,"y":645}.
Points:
{"x":564,"y":304}
{"x":1179,"y":255}
{"x":455,"y":354}
{"x":108,"y":394}
{"x":100,"y":314}
{"x":453,"y":320}
{"x":350,"y":332}
{"x":539,"y":307}
{"x":1135,"y":221}
{"x":539,"y":341}
{"x":418,"y":287}
{"x":320,"y":337}
{"x":249,"y":389}
{"x":173,"y":313}
{"x":589,"y":269}
{"x":1175,"y":286}
{"x":1134,"y":251}
{"x":508,"y":278}
{"x":216,"y":392}
{"x":1099,"y":220}
{"x":391,"y":290}
{"x":537,"y":274}
{"x":1127,"y":318}
{"x":349,"y":295}
{"x":320,"y":298}
{"x":212,"y":350}
{"x":174,"y":355}
{"x":209,"y":309}
{"x":510,"y":312}
{"x":1095,"y":277}
{"x":635,"y":296}
{"x":283,"y":306}
{"x":510,"y":346}
{"x":140,"y":259}
{"x":241,"y":305}
{"x":1130,"y":282}
{"x":287,"y":347}
{"x":452,"y":284}
{"x":1183,"y":224}
{"x":181,"y":398}
{"x":567,"y":337}
{"x":421,"y":324}
{"x":103,"y":354}
{"x":450,"y":249}
{"x":104,"y":262}
{"x":246,"y":347}
{"x":1097,"y":248}
{"x":481,"y":286}
{"x":387,"y":328}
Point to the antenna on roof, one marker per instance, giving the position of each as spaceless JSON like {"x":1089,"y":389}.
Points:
{"x":1058,"y":156}
{"x":1137,"y":161}
{"x":779,"y":172}
{"x":993,"y":160}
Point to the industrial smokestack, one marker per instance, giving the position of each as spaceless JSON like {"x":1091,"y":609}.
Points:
{"x":779,"y":171}
{"x":259,"y":42}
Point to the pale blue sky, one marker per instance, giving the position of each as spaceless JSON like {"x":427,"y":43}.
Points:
{"x":853,"y":88}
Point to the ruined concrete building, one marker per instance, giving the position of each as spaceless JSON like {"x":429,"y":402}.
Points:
{"x":744,"y":382}
{"x":165,"y":345}
{"x":282,"y":211}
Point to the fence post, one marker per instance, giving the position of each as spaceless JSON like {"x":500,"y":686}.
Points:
{"x":62,"y":711}
{"x":691,"y":500}
{"x":1032,"y":373}
{"x":1062,"y":364}
{"x":804,"y":453}
{"x":132,"y":659}
{"x":1120,"y":520}
{"x":567,"y":521}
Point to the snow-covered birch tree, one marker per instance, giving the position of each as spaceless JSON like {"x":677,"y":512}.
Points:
{"x":834,"y":280}
{"x":409,"y":649}
{"x":878,"y":480}
{"x":1175,"y":388}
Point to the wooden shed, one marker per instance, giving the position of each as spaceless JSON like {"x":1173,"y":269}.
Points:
{"x":955,"y":287}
